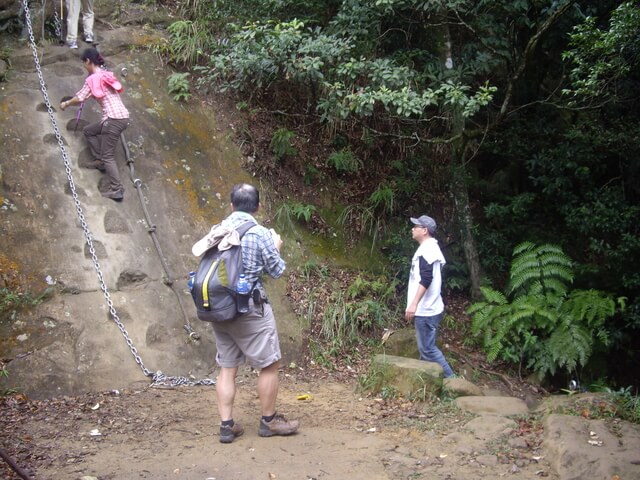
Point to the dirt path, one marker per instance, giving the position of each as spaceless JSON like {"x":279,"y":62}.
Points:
{"x":173,"y":434}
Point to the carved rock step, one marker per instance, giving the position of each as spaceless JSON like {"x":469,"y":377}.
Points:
{"x":503,"y":406}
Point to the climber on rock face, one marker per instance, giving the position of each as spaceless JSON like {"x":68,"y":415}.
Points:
{"x":103,"y":136}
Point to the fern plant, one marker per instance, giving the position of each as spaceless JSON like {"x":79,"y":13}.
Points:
{"x":344,"y":161}
{"x":179,"y":86}
{"x":540,"y":321}
{"x":281,"y":143}
{"x":383,"y":199}
{"x":289,"y":212}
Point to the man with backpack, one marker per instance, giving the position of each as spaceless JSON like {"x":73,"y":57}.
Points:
{"x":251,"y":336}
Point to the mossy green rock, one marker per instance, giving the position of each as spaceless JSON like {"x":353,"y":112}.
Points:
{"x":402,"y":343}
{"x":409,"y":377}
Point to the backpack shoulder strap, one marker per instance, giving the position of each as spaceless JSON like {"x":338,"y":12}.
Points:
{"x":242,"y":229}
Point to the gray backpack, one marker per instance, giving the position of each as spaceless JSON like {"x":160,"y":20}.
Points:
{"x":215,"y":280}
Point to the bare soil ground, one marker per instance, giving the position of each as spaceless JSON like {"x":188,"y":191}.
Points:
{"x":155,"y":433}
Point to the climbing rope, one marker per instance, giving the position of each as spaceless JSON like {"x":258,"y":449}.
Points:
{"x":158,"y":378}
{"x":151,"y":228}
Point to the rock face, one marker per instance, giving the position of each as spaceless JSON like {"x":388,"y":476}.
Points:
{"x":93,"y":330}
{"x":569,"y":439}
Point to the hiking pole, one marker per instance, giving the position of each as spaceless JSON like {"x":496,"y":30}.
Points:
{"x":78,"y":116}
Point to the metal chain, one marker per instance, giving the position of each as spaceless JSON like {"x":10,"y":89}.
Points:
{"x":57,"y":24}
{"x":158,"y":378}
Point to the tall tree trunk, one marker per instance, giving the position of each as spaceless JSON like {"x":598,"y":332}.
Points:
{"x":459,"y":187}
{"x":464,"y":218}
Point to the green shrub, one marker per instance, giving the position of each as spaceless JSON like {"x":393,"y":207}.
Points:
{"x":628,"y":404}
{"x":344,"y":161}
{"x":311,"y":174}
{"x":540,"y":321}
{"x":179,"y":86}
{"x":281,"y":144}
{"x":383,"y":199}
{"x":11,"y":300}
{"x":188,"y":40}
{"x":289,"y":212}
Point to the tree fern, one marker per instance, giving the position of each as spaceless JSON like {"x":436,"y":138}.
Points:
{"x":546,"y":264}
{"x":591,"y":305}
{"x":541,"y":321}
{"x":570,"y":346}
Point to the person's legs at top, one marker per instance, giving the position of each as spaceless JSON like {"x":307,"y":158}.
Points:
{"x":426,"y":333}
{"x":73,"y":14}
{"x":87,"y":20}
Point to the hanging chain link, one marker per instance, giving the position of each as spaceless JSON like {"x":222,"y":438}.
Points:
{"x":57,"y":23}
{"x":158,"y":378}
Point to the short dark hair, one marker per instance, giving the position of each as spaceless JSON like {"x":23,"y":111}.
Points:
{"x":245,"y":198}
{"x":93,"y":55}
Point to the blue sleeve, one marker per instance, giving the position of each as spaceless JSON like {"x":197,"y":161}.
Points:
{"x":426,"y":272}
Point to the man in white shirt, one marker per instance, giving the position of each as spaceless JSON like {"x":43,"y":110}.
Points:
{"x":425,"y":307}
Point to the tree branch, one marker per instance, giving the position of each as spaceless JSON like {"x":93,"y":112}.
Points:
{"x":528,"y":53}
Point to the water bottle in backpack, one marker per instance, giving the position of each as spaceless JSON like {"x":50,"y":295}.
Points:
{"x":243,"y":289}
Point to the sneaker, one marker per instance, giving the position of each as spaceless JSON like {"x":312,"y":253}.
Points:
{"x":278,"y":426}
{"x":88,"y":38}
{"x":73,"y":44}
{"x":227,"y":434}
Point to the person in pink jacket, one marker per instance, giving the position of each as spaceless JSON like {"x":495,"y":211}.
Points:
{"x":103,"y":136}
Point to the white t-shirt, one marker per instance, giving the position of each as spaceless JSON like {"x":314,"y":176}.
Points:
{"x":431,"y":303}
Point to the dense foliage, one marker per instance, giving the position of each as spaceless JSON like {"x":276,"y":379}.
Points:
{"x":509,"y":121}
{"x":541,"y":322}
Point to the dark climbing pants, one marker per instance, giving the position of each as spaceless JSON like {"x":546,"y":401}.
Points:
{"x":103,"y":139}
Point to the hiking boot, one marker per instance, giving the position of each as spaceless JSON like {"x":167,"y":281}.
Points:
{"x":118,"y":195}
{"x":96,"y":164}
{"x":278,"y":426}
{"x":72,"y":44}
{"x":227,"y":434}
{"x":88,"y":38}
